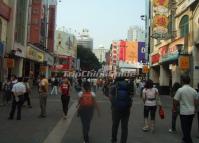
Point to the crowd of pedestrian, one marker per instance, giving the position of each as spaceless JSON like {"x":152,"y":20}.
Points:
{"x":120,"y":91}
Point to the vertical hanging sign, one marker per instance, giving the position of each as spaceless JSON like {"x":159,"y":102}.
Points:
{"x":160,"y":20}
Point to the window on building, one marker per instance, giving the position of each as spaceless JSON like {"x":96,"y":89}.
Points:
{"x":184,"y":26}
{"x":21,"y":21}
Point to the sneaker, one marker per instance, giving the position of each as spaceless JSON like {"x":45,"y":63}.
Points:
{"x":145,"y":129}
{"x":172,"y":131}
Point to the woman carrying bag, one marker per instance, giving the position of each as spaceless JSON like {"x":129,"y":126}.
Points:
{"x":151,"y":100}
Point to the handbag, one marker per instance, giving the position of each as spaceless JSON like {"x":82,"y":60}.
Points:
{"x":161,"y":113}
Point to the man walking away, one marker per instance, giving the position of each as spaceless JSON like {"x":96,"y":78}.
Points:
{"x":43,"y":93}
{"x":18,"y":90}
{"x":121,"y":100}
{"x":186,"y":96}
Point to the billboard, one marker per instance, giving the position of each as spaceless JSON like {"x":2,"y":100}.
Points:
{"x":160,"y":19}
{"x":122,"y":50}
{"x":141,"y":52}
{"x":35,"y":25}
{"x":65,"y":44}
{"x":132,"y":52}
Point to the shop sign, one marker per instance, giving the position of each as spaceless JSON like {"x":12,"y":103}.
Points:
{"x":145,"y":69}
{"x":163,"y":51}
{"x":173,"y":48}
{"x":63,"y":67}
{"x":155,"y":58}
{"x":5,"y":11}
{"x":10,"y":63}
{"x":34,"y":54}
{"x":183,"y":62}
{"x":49,"y":59}
{"x":160,"y":20}
{"x":43,"y":68}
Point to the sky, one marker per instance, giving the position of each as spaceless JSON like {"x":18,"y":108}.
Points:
{"x":106,"y":20}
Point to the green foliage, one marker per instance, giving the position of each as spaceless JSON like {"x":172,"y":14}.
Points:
{"x":88,"y":60}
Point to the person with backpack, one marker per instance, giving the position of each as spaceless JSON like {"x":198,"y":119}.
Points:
{"x":175,"y":110}
{"x":121,"y":102}
{"x":86,"y":105}
{"x":151,"y":100}
{"x":65,"y":96}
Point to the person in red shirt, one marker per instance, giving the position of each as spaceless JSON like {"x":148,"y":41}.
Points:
{"x":65,"y":95}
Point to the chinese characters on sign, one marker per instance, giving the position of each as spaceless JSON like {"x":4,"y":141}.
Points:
{"x":160,"y":21}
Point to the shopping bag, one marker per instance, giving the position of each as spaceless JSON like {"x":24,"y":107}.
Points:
{"x":161,"y":113}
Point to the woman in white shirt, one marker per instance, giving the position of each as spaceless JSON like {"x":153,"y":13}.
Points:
{"x":151,"y":99}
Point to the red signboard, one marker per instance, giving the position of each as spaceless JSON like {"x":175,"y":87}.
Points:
{"x":155,"y":58}
{"x":163,"y":51}
{"x":35,"y":26}
{"x":63,"y":67}
{"x":5,"y":10}
{"x":122,"y":50}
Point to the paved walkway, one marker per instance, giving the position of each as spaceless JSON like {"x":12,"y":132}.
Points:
{"x":54,"y":129}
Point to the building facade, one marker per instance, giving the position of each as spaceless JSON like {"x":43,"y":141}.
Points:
{"x":135,"y":33}
{"x":100,"y":53}
{"x":179,"y":42}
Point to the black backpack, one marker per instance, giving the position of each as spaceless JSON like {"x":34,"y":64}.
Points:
{"x":122,"y":99}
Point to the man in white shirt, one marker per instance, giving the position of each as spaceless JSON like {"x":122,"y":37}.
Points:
{"x":186,"y":97}
{"x":18,"y":90}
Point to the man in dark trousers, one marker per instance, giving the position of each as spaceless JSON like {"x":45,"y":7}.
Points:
{"x":121,"y":101}
{"x":18,"y":90}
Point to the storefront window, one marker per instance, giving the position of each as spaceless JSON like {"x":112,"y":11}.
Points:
{"x":184,"y":26}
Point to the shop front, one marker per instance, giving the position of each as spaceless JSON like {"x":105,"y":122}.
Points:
{"x":169,"y":69}
{"x":155,"y":68}
{"x":33,"y":62}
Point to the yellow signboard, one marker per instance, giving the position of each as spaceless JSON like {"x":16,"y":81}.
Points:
{"x":183,"y":62}
{"x":34,"y":54}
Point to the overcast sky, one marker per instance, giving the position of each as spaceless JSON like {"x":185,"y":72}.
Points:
{"x":106,"y":20}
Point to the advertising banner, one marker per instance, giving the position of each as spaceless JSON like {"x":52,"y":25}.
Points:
{"x":132,"y":52}
{"x":183,"y":62}
{"x":141,"y":52}
{"x":65,"y":44}
{"x":35,"y":26}
{"x":122,"y":50}
{"x":160,"y":20}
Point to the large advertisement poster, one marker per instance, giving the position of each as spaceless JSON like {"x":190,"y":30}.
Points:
{"x":132,"y":52}
{"x":35,"y":26}
{"x":65,"y":44}
{"x":122,"y":50}
{"x":141,"y":52}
